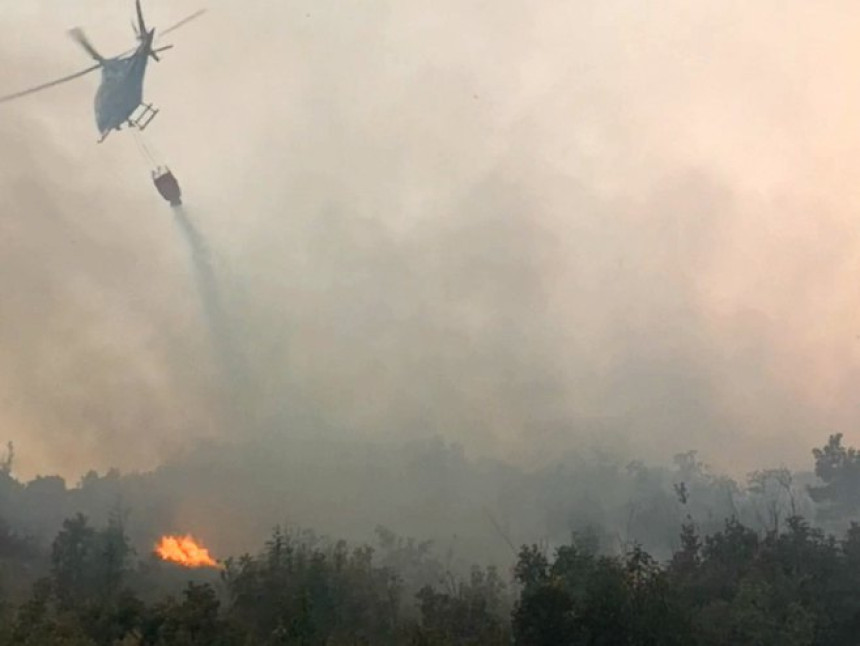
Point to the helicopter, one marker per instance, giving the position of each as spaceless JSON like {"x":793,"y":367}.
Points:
{"x":119,"y":99}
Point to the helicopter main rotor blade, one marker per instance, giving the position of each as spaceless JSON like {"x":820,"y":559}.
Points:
{"x":182,"y":22}
{"x":78,"y":34}
{"x":45,"y":86}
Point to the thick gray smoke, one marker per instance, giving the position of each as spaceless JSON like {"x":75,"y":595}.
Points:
{"x":530,"y":230}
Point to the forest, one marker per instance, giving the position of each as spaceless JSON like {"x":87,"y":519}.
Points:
{"x":772,"y":560}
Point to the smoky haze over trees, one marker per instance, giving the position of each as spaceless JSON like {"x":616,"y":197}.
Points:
{"x":741,"y":566}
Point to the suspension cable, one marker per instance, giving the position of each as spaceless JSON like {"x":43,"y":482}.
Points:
{"x":143,"y":148}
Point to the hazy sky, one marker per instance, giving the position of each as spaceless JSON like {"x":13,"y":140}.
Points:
{"x":519,"y":224}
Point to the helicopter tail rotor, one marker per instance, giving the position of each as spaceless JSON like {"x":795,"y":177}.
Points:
{"x":143,"y":34}
{"x":150,"y":39}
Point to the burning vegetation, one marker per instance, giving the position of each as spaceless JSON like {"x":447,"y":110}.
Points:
{"x":184,"y":550}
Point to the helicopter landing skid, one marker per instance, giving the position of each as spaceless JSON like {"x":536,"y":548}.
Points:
{"x":144,"y":117}
{"x":140,"y":120}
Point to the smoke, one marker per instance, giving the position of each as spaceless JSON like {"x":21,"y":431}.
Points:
{"x":557,"y":226}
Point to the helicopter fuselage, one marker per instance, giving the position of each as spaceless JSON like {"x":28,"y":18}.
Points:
{"x":121,"y":89}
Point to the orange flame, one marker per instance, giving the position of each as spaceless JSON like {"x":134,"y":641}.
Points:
{"x":184,"y":550}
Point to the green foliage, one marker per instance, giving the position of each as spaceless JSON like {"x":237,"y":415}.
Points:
{"x":296,"y":592}
{"x":582,"y":598}
{"x":84,"y":600}
{"x":779,"y":581}
{"x":838,"y":467}
{"x":786,"y":588}
{"x":89,"y":565}
{"x":468,"y":614}
{"x":195,"y":621}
